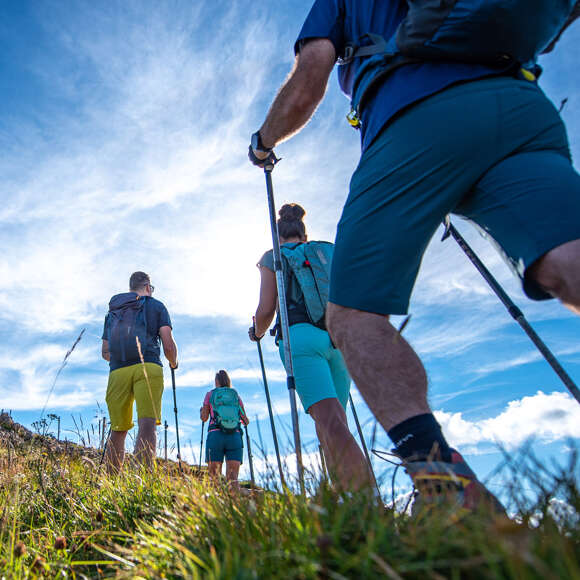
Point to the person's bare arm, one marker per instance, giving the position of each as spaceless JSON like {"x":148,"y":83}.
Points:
{"x":243,"y":416}
{"x":105,"y":350}
{"x":169,"y":346}
{"x":267,"y":304}
{"x":204,"y":413}
{"x":301,"y":94}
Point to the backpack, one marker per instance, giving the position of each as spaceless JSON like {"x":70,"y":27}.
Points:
{"x":225,"y":404}
{"x":310,"y":263}
{"x":502,"y":33}
{"x":127,"y":321}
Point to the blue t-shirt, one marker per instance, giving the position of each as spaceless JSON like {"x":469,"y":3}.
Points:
{"x":157,"y":316}
{"x":345,"y":21}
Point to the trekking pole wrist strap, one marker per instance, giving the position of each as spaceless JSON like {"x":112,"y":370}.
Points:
{"x":257,"y":144}
{"x":267,"y":162}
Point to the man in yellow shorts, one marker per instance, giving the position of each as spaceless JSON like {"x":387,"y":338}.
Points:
{"x":134,"y":327}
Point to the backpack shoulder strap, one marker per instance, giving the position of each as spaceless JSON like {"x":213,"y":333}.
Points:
{"x":144,"y":310}
{"x":352,"y":50}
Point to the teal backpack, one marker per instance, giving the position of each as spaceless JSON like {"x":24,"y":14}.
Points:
{"x":226,"y":408}
{"x":310,"y":264}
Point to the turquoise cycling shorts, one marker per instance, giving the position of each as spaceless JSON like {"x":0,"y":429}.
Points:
{"x":494,"y":151}
{"x":319,"y":369}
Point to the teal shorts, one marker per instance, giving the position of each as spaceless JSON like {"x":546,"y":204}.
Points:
{"x":494,"y":151}
{"x":220,"y":445}
{"x":319,"y":369}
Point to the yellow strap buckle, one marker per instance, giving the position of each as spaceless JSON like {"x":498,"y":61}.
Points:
{"x":527,"y":75}
{"x":353,"y":119}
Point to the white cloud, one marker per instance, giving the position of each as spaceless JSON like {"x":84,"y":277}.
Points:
{"x":273,"y":374}
{"x":155,"y":176}
{"x":205,"y":377}
{"x":543,"y":417}
{"x":32,"y":391}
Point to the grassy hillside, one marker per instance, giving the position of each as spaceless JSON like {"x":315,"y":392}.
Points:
{"x":61,"y":518}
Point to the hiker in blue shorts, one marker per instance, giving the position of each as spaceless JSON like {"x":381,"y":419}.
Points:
{"x":225,"y":411}
{"x":322,"y":380}
{"x":466,"y":132}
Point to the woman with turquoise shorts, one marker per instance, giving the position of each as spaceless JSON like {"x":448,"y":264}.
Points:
{"x":322,"y":379}
{"x":221,"y":445}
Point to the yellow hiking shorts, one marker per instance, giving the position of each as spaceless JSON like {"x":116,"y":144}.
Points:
{"x":140,"y":383}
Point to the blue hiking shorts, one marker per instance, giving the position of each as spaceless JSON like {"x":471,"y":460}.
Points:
{"x":319,"y":369}
{"x":220,"y":445}
{"x":494,"y":151}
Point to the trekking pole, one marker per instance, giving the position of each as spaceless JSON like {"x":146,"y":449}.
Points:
{"x":269,"y":402}
{"x":363,"y":442}
{"x":165,"y":440}
{"x":250,"y":460}
{"x":176,"y":422}
{"x":290,"y":382}
{"x":514,"y":311}
{"x":323,"y":462}
{"x":201,"y":445}
{"x":105,"y":447}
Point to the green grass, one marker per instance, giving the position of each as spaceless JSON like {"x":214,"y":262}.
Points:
{"x":60,"y":518}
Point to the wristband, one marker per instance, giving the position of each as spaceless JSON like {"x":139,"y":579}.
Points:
{"x":257,"y":144}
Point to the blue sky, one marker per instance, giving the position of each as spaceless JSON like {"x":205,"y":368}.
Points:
{"x":124,"y":130}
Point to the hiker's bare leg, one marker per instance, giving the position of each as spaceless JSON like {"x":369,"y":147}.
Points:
{"x":232,"y":470}
{"x":345,"y":460}
{"x":558,"y":272}
{"x":115,"y":453}
{"x":214,"y":469}
{"x":146,"y":441}
{"x":386,"y":370}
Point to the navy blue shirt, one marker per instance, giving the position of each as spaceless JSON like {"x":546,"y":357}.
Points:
{"x":345,"y":21}
{"x":157,"y":316}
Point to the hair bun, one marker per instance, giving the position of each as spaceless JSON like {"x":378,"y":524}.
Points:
{"x":291,"y":212}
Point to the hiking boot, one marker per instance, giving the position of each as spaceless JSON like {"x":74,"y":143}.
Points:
{"x":451,"y":486}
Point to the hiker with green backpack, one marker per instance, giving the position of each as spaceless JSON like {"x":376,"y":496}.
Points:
{"x":224,"y":409}
{"x":452,"y":119}
{"x":322,"y":380}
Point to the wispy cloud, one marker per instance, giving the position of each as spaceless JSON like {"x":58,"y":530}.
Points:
{"x":543,"y":417}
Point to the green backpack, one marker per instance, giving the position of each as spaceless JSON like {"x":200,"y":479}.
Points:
{"x":310,"y":263}
{"x":226,"y":408}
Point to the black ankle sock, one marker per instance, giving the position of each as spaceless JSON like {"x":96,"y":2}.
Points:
{"x":420,"y":437}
